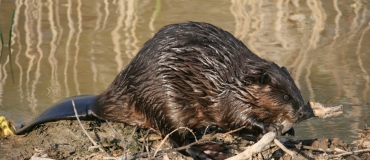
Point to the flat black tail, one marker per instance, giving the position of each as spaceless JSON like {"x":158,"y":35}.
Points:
{"x":63,"y":110}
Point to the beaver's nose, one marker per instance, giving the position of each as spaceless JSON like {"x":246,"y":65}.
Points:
{"x":306,"y":112}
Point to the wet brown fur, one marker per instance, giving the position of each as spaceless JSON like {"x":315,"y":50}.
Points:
{"x":195,"y":75}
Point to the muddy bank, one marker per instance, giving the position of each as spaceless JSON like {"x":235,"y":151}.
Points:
{"x":66,"y":140}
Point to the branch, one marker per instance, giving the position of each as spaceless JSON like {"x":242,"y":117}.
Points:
{"x":255,"y":148}
{"x":286,"y":150}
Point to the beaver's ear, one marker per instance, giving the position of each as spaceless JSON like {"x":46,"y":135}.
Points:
{"x":265,"y":78}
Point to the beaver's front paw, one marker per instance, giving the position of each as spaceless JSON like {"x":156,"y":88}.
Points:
{"x":208,"y":151}
{"x":290,"y":132}
{"x":274,"y":128}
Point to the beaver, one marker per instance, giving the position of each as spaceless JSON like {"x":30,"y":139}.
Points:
{"x":193,"y":75}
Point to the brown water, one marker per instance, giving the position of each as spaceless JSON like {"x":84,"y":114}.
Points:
{"x":64,"y":48}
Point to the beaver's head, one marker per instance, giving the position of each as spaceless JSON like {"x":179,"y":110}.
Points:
{"x":270,"y":97}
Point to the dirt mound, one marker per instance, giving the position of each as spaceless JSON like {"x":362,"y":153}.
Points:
{"x":66,"y":140}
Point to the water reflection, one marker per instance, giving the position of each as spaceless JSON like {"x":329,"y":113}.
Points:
{"x":64,"y":47}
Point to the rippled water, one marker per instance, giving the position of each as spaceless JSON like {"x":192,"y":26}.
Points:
{"x":64,"y":48}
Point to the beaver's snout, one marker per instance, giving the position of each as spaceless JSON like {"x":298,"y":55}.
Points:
{"x":305,"y":112}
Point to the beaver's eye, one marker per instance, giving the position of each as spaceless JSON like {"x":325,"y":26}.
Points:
{"x":286,"y":97}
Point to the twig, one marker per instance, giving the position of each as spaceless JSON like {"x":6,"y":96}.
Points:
{"x":235,"y":130}
{"x":286,"y":150}
{"x":78,"y":119}
{"x":146,"y":142}
{"x":165,"y":138}
{"x":324,"y":150}
{"x":349,"y":153}
{"x":205,"y":131}
{"x":94,"y":147}
{"x":150,"y":137}
{"x":257,"y":147}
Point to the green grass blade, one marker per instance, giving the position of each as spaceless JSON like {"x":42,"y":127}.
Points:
{"x":1,"y":53}
{"x":2,"y":43}
{"x":11,"y":28}
{"x":10,"y":42}
{"x":1,"y":37}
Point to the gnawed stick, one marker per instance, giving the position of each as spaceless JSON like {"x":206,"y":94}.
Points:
{"x":319,"y":110}
{"x":324,"y":111}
